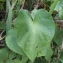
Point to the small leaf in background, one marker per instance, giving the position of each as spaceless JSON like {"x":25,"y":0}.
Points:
{"x":2,"y":0}
{"x":13,"y":58}
{"x":20,"y":1}
{"x":61,"y":12}
{"x":49,"y":54}
{"x":17,"y":60}
{"x":61,"y":56}
{"x":57,"y":62}
{"x":12,"y":55}
{"x":3,"y":54}
{"x":58,"y":36}
{"x":2,"y":25}
{"x":59,"y":8}
{"x":9,"y":61}
{"x":40,"y":60}
{"x":24,"y":59}
{"x":1,"y":6}
{"x":13,"y":61}
{"x":62,"y":31}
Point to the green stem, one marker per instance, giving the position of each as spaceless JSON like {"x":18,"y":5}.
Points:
{"x":32,"y":4}
{"x":53,"y":6}
{"x":9,"y":18}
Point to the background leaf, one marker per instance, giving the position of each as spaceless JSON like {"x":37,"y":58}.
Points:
{"x":2,"y":0}
{"x":3,"y":54}
{"x":61,"y":56}
{"x":59,"y":8}
{"x":58,"y":36}
{"x":2,"y":25}
{"x":49,"y":54}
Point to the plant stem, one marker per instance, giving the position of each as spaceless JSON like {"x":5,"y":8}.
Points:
{"x":23,"y":2}
{"x":32,"y":4}
{"x":53,"y":6}
{"x":9,"y":18}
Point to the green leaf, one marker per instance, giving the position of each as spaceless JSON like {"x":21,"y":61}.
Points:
{"x":13,"y":58}
{"x":58,"y":36}
{"x":20,"y":1}
{"x":62,"y":31}
{"x":61,"y":13}
{"x":17,"y":61}
{"x":11,"y":41}
{"x":1,"y":6}
{"x":12,"y":44}
{"x":59,"y":5}
{"x":13,"y":61}
{"x":2,"y":0}
{"x":33,"y":13}
{"x":59,"y":8}
{"x":53,"y":6}
{"x":61,"y":56}
{"x":9,"y":61}
{"x":33,"y":35}
{"x":40,"y":60}
{"x":57,"y":62}
{"x":24,"y":59}
{"x":12,"y":55}
{"x":3,"y":54}
{"x":49,"y":54}
{"x":2,"y":25}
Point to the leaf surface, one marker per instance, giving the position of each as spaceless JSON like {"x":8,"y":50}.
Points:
{"x":59,"y":8}
{"x":33,"y":33}
{"x":58,"y":36}
{"x":3,"y":54}
{"x":12,"y":44}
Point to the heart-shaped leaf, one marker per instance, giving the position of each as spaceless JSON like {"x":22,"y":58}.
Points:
{"x":33,"y":33}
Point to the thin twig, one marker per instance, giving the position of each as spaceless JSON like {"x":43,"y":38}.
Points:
{"x":22,"y":4}
{"x":1,"y":35}
{"x":2,"y":32}
{"x":58,"y":21}
{"x":2,"y":38}
{"x":13,"y":4}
